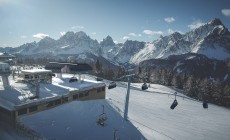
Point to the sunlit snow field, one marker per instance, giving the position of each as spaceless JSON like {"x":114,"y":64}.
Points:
{"x":149,"y":112}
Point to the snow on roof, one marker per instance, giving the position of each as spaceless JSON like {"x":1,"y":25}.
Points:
{"x":36,"y":71}
{"x":19,"y":93}
{"x":78,"y":121}
{"x":6,"y":55}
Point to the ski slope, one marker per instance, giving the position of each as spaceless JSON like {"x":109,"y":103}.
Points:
{"x":150,"y":112}
{"x":150,"y":117}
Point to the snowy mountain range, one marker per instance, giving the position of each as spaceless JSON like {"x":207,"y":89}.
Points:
{"x":211,"y":39}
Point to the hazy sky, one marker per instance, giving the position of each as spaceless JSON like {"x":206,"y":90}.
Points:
{"x":24,"y":21}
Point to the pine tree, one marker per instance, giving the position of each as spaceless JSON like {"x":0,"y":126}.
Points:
{"x":98,"y":67}
{"x":192,"y":88}
{"x":177,"y":82}
{"x":206,"y":89}
{"x":226,"y":90}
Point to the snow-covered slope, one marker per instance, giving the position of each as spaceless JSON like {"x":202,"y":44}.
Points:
{"x":70,"y":43}
{"x":8,"y":133}
{"x":211,"y":39}
{"x":149,"y":112}
{"x":78,"y":121}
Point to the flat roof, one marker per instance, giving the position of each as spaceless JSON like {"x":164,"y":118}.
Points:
{"x":18,"y":93}
{"x":36,"y":71}
{"x":6,"y":55}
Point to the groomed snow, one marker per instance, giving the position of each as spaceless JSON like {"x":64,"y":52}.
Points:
{"x":149,"y":112}
{"x":77,"y":121}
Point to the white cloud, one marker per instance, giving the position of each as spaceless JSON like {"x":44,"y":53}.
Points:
{"x":62,"y":33}
{"x":126,"y":37}
{"x":23,"y":36}
{"x":40,"y":35}
{"x":226,"y":12}
{"x":116,"y":42}
{"x":132,"y":34}
{"x":139,"y":35}
{"x":169,"y":19}
{"x":77,"y":27}
{"x":149,"y":32}
{"x":93,"y":33}
{"x":196,"y":24}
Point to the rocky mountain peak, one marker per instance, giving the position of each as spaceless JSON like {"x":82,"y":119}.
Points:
{"x":81,"y":34}
{"x":215,"y":22}
{"x":108,"y":41}
{"x":46,"y":41}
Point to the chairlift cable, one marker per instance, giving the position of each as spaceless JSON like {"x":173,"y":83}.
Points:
{"x":153,"y":129}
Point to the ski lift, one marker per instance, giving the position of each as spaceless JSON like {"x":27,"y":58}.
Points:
{"x":144,"y":86}
{"x":73,"y":79}
{"x":205,"y":104}
{"x":175,"y":103}
{"x":112,"y":85}
{"x":99,"y":79}
{"x":114,"y":135}
{"x":102,"y":118}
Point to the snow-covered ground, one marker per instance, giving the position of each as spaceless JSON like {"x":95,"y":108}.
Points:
{"x":7,"y":133}
{"x":150,"y":117}
{"x":150,"y":112}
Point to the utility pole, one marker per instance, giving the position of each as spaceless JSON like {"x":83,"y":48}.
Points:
{"x":127,"y":100}
{"x":127,"y":95}
{"x":114,"y":135}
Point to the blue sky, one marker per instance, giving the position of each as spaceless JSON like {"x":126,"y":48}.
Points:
{"x":24,"y":21}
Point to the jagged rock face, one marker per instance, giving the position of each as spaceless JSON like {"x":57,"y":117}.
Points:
{"x":211,"y":39}
{"x":108,"y":41}
{"x":128,"y":50}
{"x":107,"y":48}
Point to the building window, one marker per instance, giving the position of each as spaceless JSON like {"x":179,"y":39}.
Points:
{"x":87,"y":93}
{"x":81,"y":95}
{"x":64,"y":99}
{"x":75,"y":96}
{"x":26,"y":76}
{"x":33,"y":108}
{"x":57,"y":102}
{"x":36,"y":76}
{"x":50,"y":104}
{"x":22,"y":111}
{"x":100,"y":89}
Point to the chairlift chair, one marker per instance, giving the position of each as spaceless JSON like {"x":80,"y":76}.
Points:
{"x":73,"y":79}
{"x":144,"y":86}
{"x":205,"y":104}
{"x":102,"y":119}
{"x":112,"y":85}
{"x":174,"y":104}
{"x":99,"y":79}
